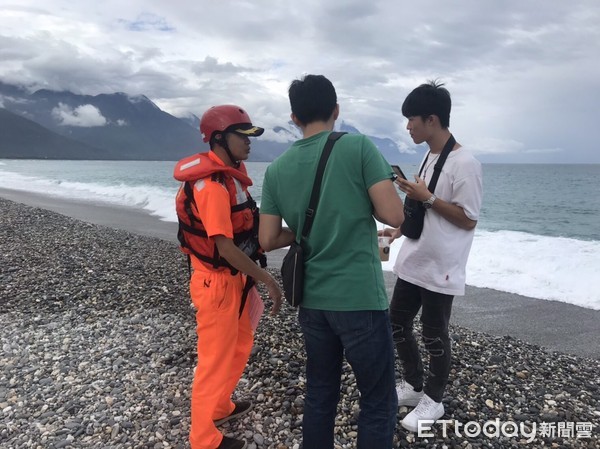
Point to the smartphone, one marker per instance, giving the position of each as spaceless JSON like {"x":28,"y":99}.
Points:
{"x":398,"y":172}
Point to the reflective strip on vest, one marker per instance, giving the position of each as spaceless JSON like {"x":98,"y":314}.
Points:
{"x":190,"y":164}
{"x":240,"y":195}
{"x":199,"y":185}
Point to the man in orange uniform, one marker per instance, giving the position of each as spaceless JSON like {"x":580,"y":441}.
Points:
{"x":218,"y":230}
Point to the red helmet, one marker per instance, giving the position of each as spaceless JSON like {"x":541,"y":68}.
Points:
{"x":220,"y":118}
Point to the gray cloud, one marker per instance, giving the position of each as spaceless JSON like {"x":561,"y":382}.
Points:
{"x":523,"y":75}
{"x":212,"y":66}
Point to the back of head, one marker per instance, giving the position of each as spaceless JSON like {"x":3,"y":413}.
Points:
{"x":429,"y":99}
{"x":312,"y":99}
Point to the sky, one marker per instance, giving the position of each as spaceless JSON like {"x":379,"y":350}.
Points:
{"x":524,"y":75}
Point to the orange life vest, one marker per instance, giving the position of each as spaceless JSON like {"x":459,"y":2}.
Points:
{"x":244,"y":212}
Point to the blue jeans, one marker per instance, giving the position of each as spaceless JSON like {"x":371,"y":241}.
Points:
{"x":365,"y":338}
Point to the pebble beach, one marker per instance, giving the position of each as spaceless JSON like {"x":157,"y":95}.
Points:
{"x":97,"y":350}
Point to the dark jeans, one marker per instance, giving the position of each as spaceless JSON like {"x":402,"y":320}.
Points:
{"x":435,"y":316}
{"x":365,"y":338}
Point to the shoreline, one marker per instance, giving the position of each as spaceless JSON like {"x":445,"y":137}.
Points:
{"x":99,"y":347}
{"x":552,"y":325}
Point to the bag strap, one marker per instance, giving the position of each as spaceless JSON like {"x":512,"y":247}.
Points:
{"x":437,"y":168}
{"x":247,"y":286}
{"x":316,"y":191}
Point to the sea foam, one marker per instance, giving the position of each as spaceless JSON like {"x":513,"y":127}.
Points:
{"x":158,"y":201}
{"x":552,"y":268}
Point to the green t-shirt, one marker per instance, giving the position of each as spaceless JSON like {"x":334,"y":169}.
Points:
{"x":342,"y":266}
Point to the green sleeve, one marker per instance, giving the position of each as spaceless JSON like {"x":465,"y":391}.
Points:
{"x":375,"y":167}
{"x":268,"y":204}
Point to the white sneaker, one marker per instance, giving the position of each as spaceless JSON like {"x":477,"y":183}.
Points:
{"x":407,"y":395}
{"x":426,"y":410}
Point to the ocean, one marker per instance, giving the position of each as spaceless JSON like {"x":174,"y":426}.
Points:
{"x":538,"y":234}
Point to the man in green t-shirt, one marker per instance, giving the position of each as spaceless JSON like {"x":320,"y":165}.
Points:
{"x":344,"y":311}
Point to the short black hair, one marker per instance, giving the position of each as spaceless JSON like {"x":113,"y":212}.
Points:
{"x":428,"y":99}
{"x":312,"y":99}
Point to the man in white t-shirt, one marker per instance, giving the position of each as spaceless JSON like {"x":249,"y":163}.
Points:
{"x":431,"y":268}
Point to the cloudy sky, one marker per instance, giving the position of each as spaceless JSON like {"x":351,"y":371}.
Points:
{"x":524,"y":75}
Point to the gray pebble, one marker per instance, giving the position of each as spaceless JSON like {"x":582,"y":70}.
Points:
{"x":99,"y":346}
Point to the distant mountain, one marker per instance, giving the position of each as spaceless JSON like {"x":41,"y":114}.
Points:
{"x":21,"y":138}
{"x":126,"y":127}
{"x":388,"y":147}
{"x":120,"y":126}
{"x":192,"y":119}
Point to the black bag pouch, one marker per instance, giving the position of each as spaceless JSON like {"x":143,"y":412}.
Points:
{"x":292,"y":274}
{"x":414,"y":216}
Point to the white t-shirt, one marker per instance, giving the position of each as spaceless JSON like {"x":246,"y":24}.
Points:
{"x":437,"y":260}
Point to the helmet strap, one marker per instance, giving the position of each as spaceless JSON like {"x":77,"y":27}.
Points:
{"x":223,"y":143}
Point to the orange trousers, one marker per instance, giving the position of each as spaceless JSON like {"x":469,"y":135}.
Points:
{"x":224,"y":343}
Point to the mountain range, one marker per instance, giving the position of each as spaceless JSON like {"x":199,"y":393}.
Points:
{"x":48,"y":124}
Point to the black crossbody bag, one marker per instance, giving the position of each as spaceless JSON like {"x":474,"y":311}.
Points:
{"x":292,"y":268}
{"x":414,"y":212}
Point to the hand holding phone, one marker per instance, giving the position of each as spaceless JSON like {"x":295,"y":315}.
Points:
{"x":398,"y":172}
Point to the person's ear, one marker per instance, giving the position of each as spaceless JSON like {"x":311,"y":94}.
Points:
{"x":336,"y":112}
{"x":297,"y":122}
